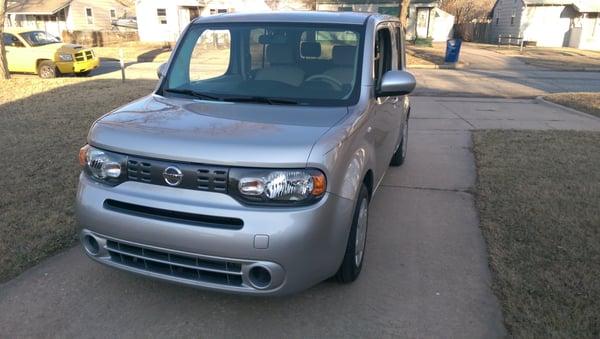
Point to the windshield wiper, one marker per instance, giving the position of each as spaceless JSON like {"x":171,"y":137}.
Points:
{"x":193,"y":93}
{"x":266,"y":100}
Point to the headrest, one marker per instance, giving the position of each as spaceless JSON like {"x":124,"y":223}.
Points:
{"x":280,"y":54}
{"x":310,"y":49}
{"x":343,"y":55}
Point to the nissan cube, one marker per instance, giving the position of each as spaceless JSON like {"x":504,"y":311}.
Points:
{"x":251,"y":166}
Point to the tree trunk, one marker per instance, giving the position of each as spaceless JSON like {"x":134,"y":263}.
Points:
{"x":3,"y":64}
{"x":403,"y":11}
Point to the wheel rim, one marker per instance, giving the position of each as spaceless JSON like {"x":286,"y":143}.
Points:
{"x":361,"y":232}
{"x":46,"y":71}
{"x":405,"y":139}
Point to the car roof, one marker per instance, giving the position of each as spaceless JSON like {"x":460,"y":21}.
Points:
{"x":351,"y":18}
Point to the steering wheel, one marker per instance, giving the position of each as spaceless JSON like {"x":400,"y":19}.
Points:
{"x":334,"y":83}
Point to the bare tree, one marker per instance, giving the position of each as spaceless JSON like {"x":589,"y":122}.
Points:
{"x":3,"y":64}
{"x":465,"y":11}
{"x":403,"y":11}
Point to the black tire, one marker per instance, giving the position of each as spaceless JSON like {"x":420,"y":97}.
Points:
{"x":349,"y":269}
{"x":47,"y":70}
{"x":83,"y":74}
{"x":400,"y":155}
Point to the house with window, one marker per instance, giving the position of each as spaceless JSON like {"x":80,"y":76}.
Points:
{"x":164,"y":20}
{"x":425,"y":18}
{"x":549,"y":23}
{"x":56,"y":16}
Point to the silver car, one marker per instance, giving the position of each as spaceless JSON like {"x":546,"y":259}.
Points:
{"x":251,"y":167}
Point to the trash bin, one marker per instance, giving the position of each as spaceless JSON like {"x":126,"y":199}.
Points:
{"x":452,"y":50}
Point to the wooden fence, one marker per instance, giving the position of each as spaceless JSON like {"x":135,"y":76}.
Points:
{"x":474,"y":32}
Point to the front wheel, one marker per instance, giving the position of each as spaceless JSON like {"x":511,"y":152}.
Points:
{"x":400,"y":155}
{"x":355,"y":248}
{"x":47,"y":70}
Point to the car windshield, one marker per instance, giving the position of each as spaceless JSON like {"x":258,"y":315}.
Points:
{"x":39,"y":38}
{"x":273,"y":63}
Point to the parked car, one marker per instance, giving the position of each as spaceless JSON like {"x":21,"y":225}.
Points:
{"x":35,"y":51}
{"x":251,"y":167}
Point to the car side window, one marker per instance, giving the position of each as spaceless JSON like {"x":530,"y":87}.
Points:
{"x":399,"y":45}
{"x":383,"y":54}
{"x":11,"y":40}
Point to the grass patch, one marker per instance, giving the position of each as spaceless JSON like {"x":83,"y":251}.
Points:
{"x":538,"y":195}
{"x":426,"y":55}
{"x":552,"y":58}
{"x":43,"y":123}
{"x":585,"y":102}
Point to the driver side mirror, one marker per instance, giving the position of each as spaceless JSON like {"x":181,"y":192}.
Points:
{"x":396,"y":83}
{"x":162,"y":70}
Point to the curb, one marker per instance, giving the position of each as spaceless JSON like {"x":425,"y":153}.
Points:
{"x":435,"y":66}
{"x":541,"y":100}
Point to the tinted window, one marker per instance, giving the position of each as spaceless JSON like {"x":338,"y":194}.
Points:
{"x":383,"y":54}
{"x":399,"y":43}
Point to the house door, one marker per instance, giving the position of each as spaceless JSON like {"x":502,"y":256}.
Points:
{"x":183,"y":14}
{"x":423,"y":22}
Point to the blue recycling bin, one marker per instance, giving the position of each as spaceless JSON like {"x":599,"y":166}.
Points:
{"x":452,"y":50}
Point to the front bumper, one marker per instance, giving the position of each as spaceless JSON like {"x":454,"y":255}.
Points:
{"x":78,"y":66}
{"x":299,"y":246}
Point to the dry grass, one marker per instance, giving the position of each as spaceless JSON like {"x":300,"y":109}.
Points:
{"x":552,"y":58}
{"x":538,"y":195}
{"x":42,"y":125}
{"x":585,"y":102}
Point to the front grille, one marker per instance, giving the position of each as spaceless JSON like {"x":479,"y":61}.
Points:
{"x":195,"y":176}
{"x":79,"y":56}
{"x":139,"y":170}
{"x":84,"y":55}
{"x":176,"y":265}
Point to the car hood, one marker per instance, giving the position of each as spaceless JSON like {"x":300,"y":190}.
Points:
{"x":236,"y":134}
{"x":61,"y":47}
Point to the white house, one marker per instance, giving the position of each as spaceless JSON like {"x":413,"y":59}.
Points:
{"x":164,"y":20}
{"x":425,"y":18}
{"x":549,"y":23}
{"x":56,"y":16}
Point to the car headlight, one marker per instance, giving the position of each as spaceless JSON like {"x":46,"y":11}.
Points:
{"x":65,"y":57}
{"x":277,"y":186}
{"x":104,"y":166}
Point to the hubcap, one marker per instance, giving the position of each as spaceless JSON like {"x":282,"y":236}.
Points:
{"x":46,"y":71}
{"x":405,"y":139}
{"x":361,"y":232}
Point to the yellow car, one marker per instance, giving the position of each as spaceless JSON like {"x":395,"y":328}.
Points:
{"x":35,"y":51}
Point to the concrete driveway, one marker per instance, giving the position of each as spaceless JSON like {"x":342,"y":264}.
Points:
{"x":426,"y":272}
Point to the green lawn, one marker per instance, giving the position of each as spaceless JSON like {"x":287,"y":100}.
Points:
{"x":538,"y":195}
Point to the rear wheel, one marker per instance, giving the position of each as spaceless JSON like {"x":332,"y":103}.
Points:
{"x":355,"y":248}
{"x":400,"y":155}
{"x":47,"y":70}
